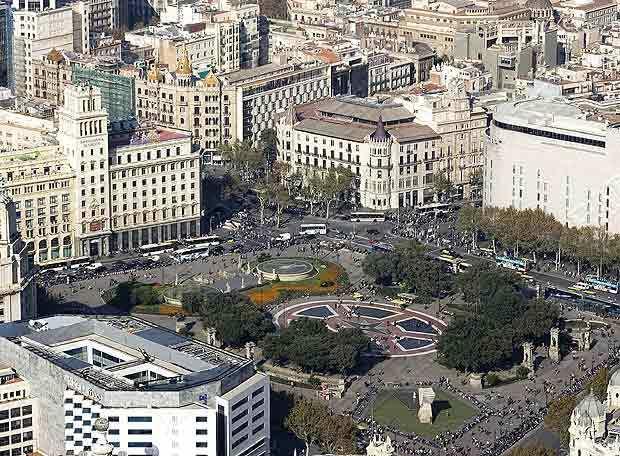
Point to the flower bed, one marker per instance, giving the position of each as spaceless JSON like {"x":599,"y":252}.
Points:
{"x":274,"y":292}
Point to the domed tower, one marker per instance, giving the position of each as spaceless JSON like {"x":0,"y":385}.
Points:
{"x":378,"y":186}
{"x":613,"y":392}
{"x":588,"y":420}
{"x":184,"y":69}
{"x":540,"y":9}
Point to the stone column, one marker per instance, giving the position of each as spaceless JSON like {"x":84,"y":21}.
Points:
{"x":528,"y":356}
{"x":249,"y":350}
{"x":554,"y":345}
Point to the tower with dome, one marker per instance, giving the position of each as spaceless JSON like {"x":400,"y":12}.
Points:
{"x":595,"y":425}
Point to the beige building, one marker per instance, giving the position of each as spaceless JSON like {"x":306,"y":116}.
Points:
{"x":394,"y":147}
{"x":434,"y":27}
{"x":36,"y":33}
{"x":102,"y":186}
{"x":236,"y":105}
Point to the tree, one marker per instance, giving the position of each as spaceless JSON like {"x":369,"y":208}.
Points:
{"x":268,"y":147}
{"x":337,"y":435}
{"x":312,"y":190}
{"x":336,"y":182}
{"x":533,"y":451}
{"x":442,"y":184}
{"x":305,"y":421}
{"x":310,"y":345}
{"x":598,"y":384}
{"x":282,"y":199}
{"x":242,"y":157}
{"x":558,"y":416}
{"x":470,"y":221}
{"x":263,"y":195}
{"x":236,"y":319}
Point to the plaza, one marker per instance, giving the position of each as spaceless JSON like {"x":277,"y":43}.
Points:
{"x":394,"y":331}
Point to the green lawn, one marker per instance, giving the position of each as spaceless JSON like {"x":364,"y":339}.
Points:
{"x":390,"y":409}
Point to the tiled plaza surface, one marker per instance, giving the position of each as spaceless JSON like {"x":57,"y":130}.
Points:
{"x":394,"y":332}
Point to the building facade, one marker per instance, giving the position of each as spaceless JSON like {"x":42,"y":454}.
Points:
{"x":393,"y":148}
{"x":17,"y":290}
{"x":17,"y":414}
{"x":565,"y":163}
{"x":35,"y":34}
{"x":594,"y":424}
{"x":161,"y":393}
{"x":99,"y":186}
{"x":237,"y":105}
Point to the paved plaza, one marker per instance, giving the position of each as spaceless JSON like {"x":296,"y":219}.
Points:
{"x":394,"y":332}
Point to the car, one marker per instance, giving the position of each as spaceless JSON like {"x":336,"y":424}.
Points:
{"x":327,"y":283}
{"x":372,"y":231}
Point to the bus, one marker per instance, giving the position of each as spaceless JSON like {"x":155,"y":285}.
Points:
{"x":436,"y":208}
{"x":157,"y":249}
{"x":193,"y":253}
{"x":312,"y":229}
{"x":602,"y":284}
{"x":456,"y":264}
{"x":367,"y":217}
{"x":382,"y":247}
{"x":211,"y":240}
{"x":517,"y":264}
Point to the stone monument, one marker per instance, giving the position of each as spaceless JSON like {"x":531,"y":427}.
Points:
{"x":528,"y":356}
{"x":426,"y":397}
{"x":211,"y":336}
{"x":249,"y":350}
{"x":475,"y":380}
{"x":380,"y":446}
{"x":101,"y":447}
{"x":554,"y":345}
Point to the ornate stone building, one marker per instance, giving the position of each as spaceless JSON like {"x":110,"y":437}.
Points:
{"x":594,"y":427}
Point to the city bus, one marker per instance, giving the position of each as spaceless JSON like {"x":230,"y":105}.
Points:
{"x":193,"y":253}
{"x":367,"y":217}
{"x":456,"y":264}
{"x":436,"y":208}
{"x":382,"y":247}
{"x":602,"y":284}
{"x":312,"y":229}
{"x":149,"y":250}
{"x":211,"y":240}
{"x":516,"y":264}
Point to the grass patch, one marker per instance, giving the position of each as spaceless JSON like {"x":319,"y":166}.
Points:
{"x":274,"y":292}
{"x":397,"y":409}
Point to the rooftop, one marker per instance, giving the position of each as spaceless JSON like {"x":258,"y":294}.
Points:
{"x":130,"y":345}
{"x":549,"y":113}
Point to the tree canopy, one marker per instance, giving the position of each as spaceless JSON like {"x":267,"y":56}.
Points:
{"x":501,"y":318}
{"x":533,"y":451}
{"x":558,"y":416}
{"x":408,"y":266}
{"x":315,"y":424}
{"x":236,"y":319}
{"x":311,"y":346}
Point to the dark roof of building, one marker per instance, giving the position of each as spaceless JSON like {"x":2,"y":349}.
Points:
{"x":380,"y":134}
{"x":364,"y":109}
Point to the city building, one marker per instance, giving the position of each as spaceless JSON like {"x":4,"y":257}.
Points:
{"x":6,"y":45}
{"x":565,"y":162}
{"x":161,"y":393}
{"x":17,"y":290}
{"x":60,"y":68}
{"x":241,"y":104}
{"x":17,"y":412}
{"x":35,"y":34}
{"x":589,"y":13}
{"x":393,"y":147}
{"x":99,"y":186}
{"x":435,"y":25}
{"x":594,"y":424}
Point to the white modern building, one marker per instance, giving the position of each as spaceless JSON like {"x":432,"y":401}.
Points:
{"x":161,"y":393}
{"x":17,"y":409}
{"x":548,"y":154}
